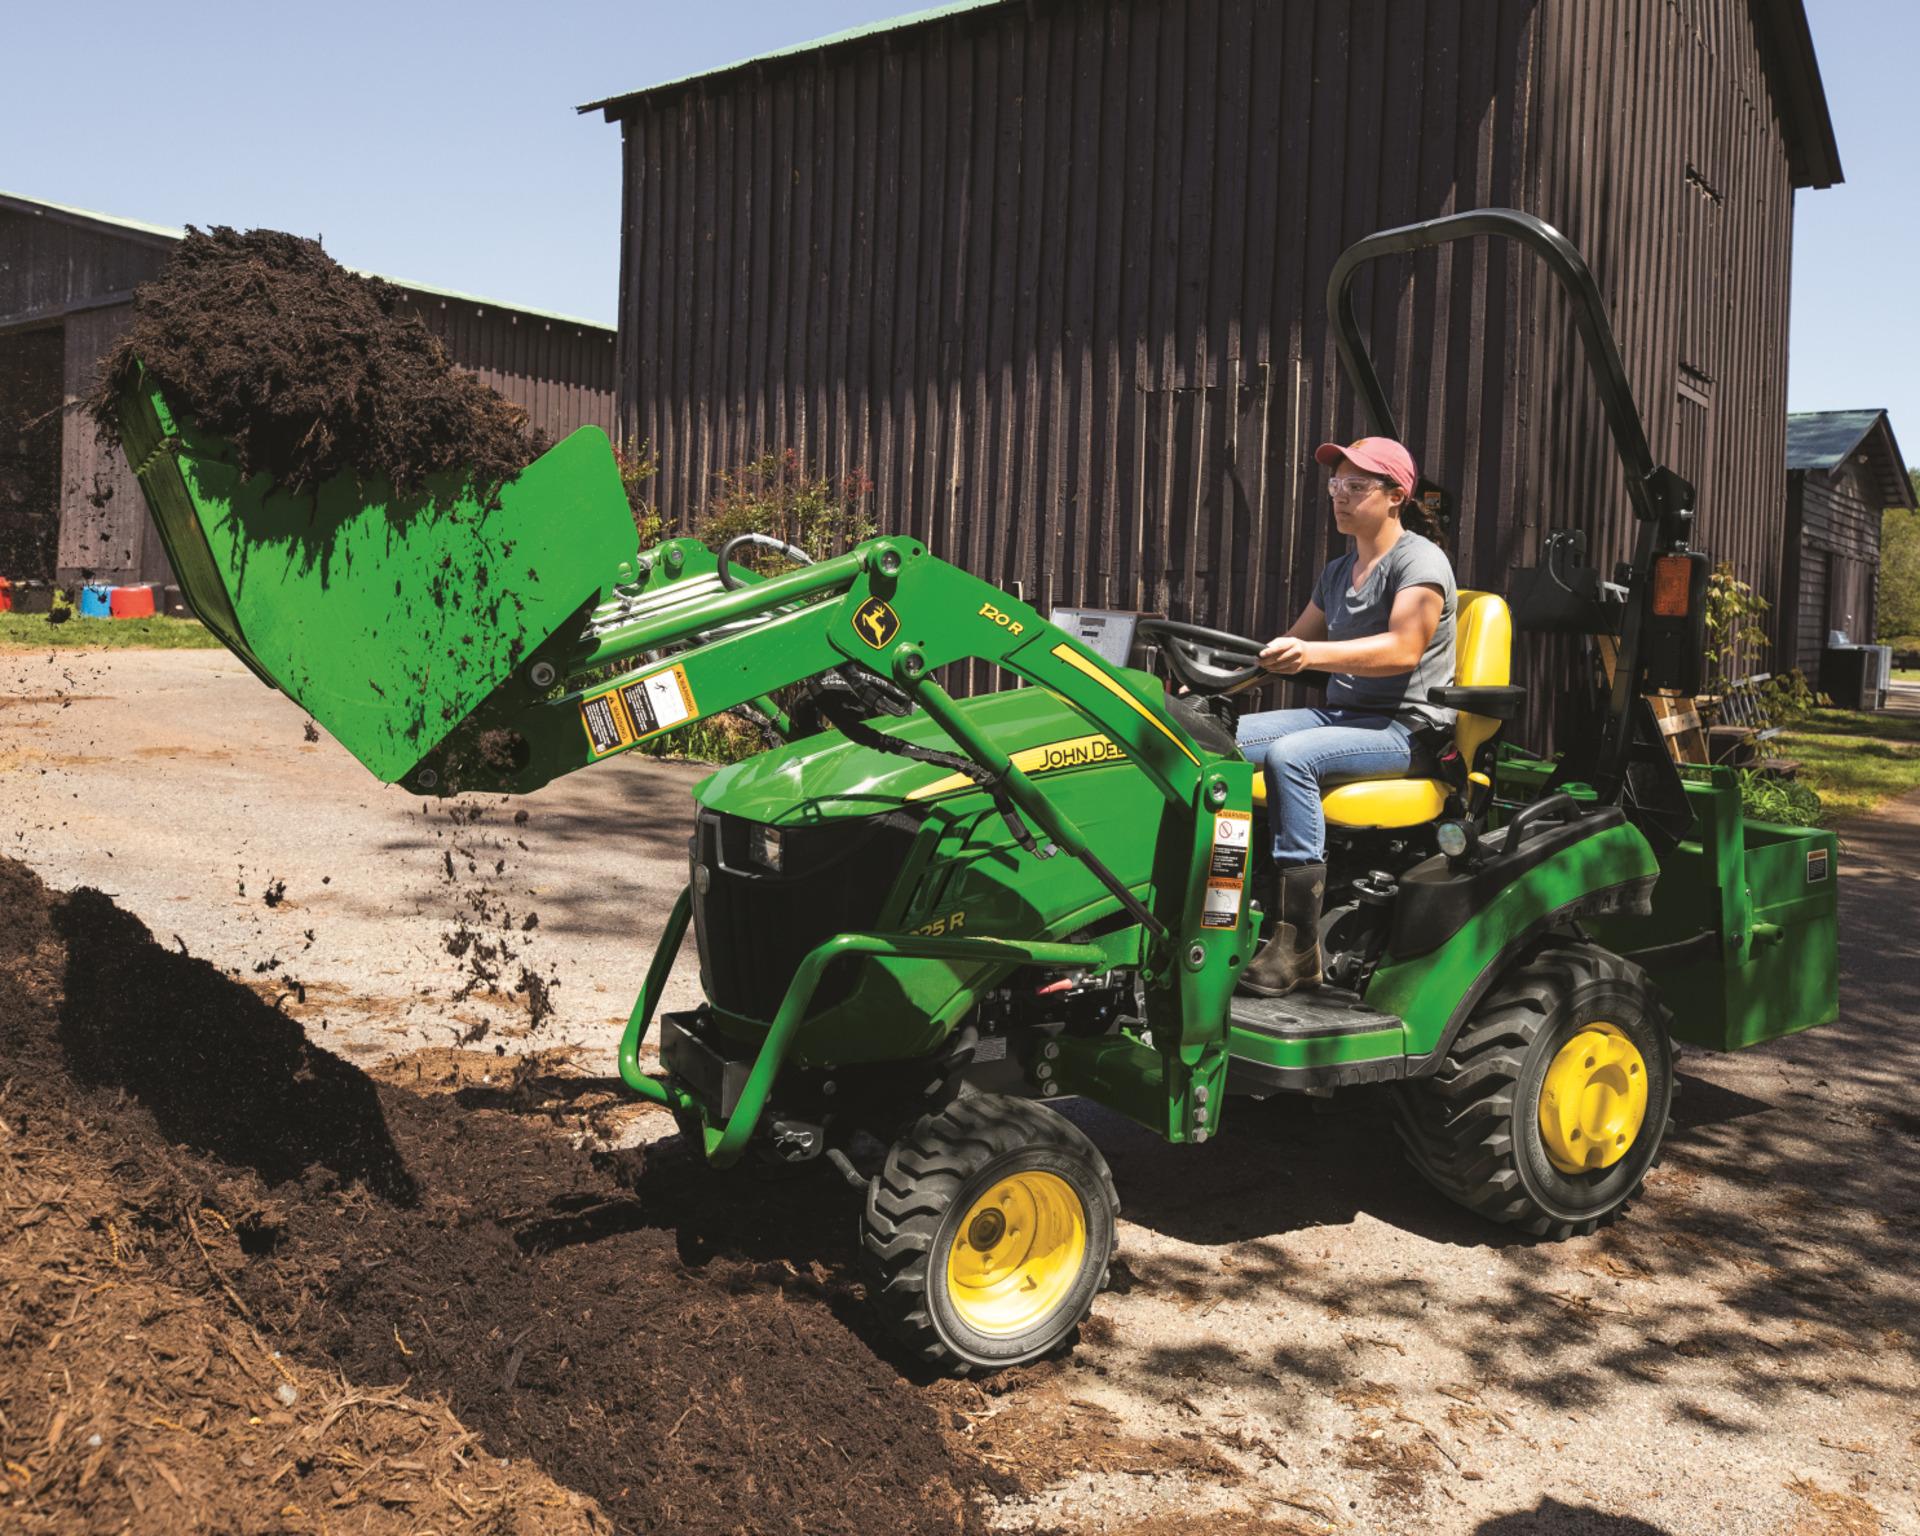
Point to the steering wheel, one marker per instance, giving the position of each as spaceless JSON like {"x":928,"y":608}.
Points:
{"x":1207,"y":661}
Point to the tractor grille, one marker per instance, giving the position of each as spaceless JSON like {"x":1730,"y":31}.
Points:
{"x":754,"y":927}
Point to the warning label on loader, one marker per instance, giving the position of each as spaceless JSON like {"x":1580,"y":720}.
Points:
{"x":660,"y":701}
{"x":1227,"y":870}
{"x":1232,"y":836}
{"x":633,"y":711}
{"x":606,"y":723}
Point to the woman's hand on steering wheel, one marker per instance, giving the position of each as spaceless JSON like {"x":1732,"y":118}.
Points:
{"x":1284,"y":656}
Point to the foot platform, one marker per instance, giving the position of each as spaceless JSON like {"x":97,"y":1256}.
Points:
{"x":1315,"y":1039}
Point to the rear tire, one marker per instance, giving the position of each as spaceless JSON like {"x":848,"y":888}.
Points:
{"x":1475,"y":1131}
{"x":988,"y":1233}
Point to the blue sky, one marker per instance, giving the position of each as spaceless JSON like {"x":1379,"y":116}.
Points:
{"x":436,"y":141}
{"x":1856,"y":247}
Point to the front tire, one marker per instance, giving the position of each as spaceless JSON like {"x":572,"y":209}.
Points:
{"x":1555,"y":1098}
{"x":988,"y":1233}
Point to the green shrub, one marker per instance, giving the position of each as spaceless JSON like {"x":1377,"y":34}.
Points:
{"x":1786,"y":698}
{"x":1787,"y":802}
{"x":773,"y":495}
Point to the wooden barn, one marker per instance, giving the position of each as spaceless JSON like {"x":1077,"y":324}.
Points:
{"x":1049,"y":273}
{"x":69,"y":507}
{"x":1843,"y":470}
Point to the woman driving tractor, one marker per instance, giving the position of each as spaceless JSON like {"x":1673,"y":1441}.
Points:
{"x":1380,"y":623}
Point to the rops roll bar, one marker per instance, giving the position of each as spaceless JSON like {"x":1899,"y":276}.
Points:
{"x":1656,"y":491}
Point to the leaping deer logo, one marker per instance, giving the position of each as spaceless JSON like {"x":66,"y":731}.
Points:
{"x":876,"y":622}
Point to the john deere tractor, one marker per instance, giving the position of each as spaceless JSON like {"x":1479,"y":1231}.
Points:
{"x":922,"y":921}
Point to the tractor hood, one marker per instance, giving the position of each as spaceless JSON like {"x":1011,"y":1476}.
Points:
{"x":827,"y":776}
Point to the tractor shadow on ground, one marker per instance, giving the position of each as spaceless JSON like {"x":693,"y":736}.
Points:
{"x":1281,"y":1165}
{"x":1292,"y":1163}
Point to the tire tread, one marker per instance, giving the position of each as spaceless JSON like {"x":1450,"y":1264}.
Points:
{"x":1457,"y":1126}
{"x":924,"y":1173}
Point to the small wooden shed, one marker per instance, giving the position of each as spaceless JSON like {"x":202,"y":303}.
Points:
{"x":1843,"y":469}
{"x":69,"y":508}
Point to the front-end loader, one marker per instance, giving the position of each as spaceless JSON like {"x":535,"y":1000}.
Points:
{"x":922,"y":921}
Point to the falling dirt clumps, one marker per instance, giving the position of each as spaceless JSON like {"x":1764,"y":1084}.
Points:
{"x":250,"y":1286}
{"x":309,"y":370}
{"x":488,"y":937}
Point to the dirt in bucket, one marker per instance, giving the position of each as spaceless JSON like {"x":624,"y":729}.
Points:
{"x":260,"y":1287}
{"x":311,"y":371}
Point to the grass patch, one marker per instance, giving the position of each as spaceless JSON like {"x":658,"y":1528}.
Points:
{"x":31,"y":631}
{"x":1854,"y":761}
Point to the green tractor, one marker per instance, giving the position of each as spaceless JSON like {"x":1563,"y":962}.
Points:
{"x":920,"y":919}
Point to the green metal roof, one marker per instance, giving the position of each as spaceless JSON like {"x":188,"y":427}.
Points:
{"x":610,"y":104}
{"x":164,"y":232}
{"x":1822,"y":439}
{"x":1825,"y":440}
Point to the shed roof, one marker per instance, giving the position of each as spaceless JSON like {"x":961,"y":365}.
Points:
{"x":1824,"y":440}
{"x":1786,"y":44}
{"x":161,"y":234}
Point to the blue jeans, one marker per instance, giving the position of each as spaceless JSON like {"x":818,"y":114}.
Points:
{"x":1306,"y":750}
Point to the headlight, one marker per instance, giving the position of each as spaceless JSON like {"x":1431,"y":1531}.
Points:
{"x":763,"y":847}
{"x":1453,"y":839}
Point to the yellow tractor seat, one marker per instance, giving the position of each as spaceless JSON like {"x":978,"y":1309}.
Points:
{"x":1375,"y":802}
{"x":1483,"y":657}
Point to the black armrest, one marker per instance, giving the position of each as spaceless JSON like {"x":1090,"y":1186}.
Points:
{"x":1498,"y":701}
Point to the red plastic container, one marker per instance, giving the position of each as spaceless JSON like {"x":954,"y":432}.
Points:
{"x":6,"y":595}
{"x":130,"y":602}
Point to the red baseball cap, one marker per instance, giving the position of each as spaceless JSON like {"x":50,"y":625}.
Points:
{"x":1376,"y":455}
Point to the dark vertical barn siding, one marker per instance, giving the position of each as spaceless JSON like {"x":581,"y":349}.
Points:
{"x":562,"y":373}
{"x":1052,"y":283}
{"x":1662,"y":156}
{"x":50,"y":262}
{"x":104,"y":530}
{"x":1051,"y":277}
{"x":31,"y":371}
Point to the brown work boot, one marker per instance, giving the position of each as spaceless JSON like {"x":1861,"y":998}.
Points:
{"x":1291,"y":960}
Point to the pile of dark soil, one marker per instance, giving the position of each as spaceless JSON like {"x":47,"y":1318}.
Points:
{"x":310,"y":370}
{"x":677,"y":1355}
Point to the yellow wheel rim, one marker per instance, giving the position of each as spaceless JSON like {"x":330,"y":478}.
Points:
{"x":1593,"y":1100}
{"x":1016,"y":1253}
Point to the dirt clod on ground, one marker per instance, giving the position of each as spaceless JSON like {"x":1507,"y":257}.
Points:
{"x":247,"y":1280}
{"x":311,"y":371}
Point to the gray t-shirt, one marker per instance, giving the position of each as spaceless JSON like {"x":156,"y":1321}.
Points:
{"x":1353,"y":614}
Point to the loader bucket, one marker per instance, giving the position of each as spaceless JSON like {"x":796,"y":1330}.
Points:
{"x":387,"y":620}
